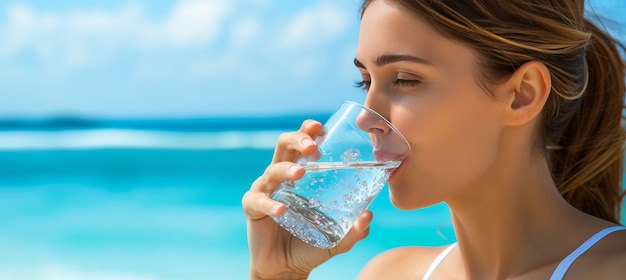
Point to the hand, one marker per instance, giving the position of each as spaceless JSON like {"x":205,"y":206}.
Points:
{"x":274,"y":252}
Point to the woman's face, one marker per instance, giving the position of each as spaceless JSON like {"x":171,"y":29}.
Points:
{"x":425,"y":85}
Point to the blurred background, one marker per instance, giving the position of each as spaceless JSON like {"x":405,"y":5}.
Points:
{"x":130,"y":129}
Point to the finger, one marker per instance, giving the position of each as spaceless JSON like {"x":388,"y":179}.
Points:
{"x":275,"y":174}
{"x":257,"y":202}
{"x":258,"y":205}
{"x":358,"y":232}
{"x":311,"y":127}
{"x":291,"y":145}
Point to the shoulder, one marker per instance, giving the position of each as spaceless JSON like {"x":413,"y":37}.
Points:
{"x":610,"y":256}
{"x":400,"y":263}
{"x":605,"y":260}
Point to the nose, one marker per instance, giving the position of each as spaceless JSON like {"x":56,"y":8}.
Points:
{"x":373,"y":123}
{"x":388,"y":143}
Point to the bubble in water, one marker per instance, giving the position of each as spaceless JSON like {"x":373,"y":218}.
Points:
{"x":313,"y":203}
{"x":350,"y":155}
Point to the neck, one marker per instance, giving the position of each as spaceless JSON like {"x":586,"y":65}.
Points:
{"x":505,"y":222}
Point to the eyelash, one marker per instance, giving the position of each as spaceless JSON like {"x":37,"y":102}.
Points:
{"x":406,"y":83}
{"x":365,"y":85}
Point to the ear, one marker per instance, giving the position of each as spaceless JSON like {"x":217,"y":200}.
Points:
{"x":527,"y":91}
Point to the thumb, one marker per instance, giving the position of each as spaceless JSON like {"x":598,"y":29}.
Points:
{"x":358,"y":232}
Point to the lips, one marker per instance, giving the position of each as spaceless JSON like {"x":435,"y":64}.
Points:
{"x":385,"y":156}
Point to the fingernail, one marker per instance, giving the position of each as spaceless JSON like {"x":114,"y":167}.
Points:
{"x":275,"y":207}
{"x":293,"y":169}
{"x":306,"y":142}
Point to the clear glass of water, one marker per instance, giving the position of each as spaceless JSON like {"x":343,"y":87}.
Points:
{"x":358,"y":149}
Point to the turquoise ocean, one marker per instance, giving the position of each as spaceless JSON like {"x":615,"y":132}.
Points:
{"x":156,"y":200}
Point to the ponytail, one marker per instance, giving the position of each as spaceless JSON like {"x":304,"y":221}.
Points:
{"x":588,"y":163}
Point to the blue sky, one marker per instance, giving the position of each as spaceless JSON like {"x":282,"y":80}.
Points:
{"x":187,"y":58}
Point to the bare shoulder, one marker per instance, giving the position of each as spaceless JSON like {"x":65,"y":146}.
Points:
{"x":606,"y":260}
{"x":400,"y":263}
{"x":610,"y":257}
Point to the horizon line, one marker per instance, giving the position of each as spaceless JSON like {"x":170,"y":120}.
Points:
{"x":208,"y":123}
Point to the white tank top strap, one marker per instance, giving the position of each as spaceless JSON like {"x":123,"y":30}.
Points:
{"x":438,"y":260}
{"x":562,"y":268}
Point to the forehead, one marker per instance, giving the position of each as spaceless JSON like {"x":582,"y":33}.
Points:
{"x":388,"y":28}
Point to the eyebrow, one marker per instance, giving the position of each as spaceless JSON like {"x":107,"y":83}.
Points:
{"x":391,"y":58}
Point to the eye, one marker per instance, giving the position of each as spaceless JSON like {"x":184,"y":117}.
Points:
{"x":406,"y":83}
{"x":407,"y":80}
{"x":365,"y":85}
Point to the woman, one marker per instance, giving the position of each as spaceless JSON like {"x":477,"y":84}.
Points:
{"x":513,"y":110}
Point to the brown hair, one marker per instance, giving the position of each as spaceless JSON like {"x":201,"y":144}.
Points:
{"x":582,"y":131}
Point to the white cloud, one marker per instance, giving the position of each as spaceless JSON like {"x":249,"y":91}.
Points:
{"x":315,"y":25}
{"x":91,"y":37}
{"x":19,"y":28}
{"x":82,"y":36}
{"x":193,"y":22}
{"x":46,"y":32}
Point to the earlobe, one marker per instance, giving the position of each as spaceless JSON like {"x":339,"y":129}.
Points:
{"x":530,"y":88}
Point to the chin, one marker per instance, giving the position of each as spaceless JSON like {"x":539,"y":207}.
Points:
{"x":400,"y":205}
{"x":400,"y":199}
{"x":407,"y":200}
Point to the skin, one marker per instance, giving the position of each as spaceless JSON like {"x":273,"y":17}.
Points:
{"x":472,"y":150}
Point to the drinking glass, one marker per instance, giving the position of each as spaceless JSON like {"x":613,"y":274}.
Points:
{"x":358,"y":150}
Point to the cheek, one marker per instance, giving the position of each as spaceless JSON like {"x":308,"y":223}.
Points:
{"x":454,"y":142}
{"x":459,"y":149}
